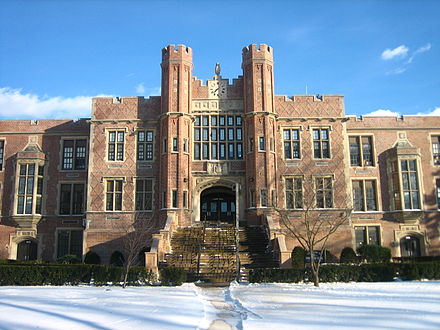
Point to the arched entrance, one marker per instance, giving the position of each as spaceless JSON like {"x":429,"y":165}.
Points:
{"x":27,"y":250}
{"x":410,"y":246}
{"x":217,"y":204}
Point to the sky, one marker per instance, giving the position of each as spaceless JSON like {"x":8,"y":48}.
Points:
{"x":383,"y":56}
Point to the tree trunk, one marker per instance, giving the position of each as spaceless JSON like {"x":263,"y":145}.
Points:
{"x":316,"y":278}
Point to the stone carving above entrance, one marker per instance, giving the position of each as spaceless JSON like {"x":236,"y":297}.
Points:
{"x":217,"y":168}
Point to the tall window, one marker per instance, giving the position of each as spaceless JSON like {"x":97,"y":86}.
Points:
{"x":361,"y":151}
{"x":367,"y":235}
{"x":410,"y":184}
{"x":30,"y":188}
{"x":116,"y":141}
{"x":174,"y":199}
{"x":69,"y":242}
{"x":251,"y":198}
{"x":437,"y":189}
{"x":113,"y":195}
{"x":321,"y":143}
{"x":364,"y":195}
{"x":72,"y":198}
{"x":218,"y":137}
{"x":74,"y":154}
{"x":435,"y":140}
{"x":144,"y":194}
{"x":263,"y":197}
{"x":294,"y":193}
{"x":324,"y":192}
{"x":2,"y":154}
{"x":291,"y":144}
{"x":261,"y":143}
{"x":145,"y":142}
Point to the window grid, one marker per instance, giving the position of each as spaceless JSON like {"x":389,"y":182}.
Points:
{"x":364,"y":195}
{"x":321,"y":143}
{"x":74,"y":154}
{"x":116,"y":141}
{"x":367,"y":235}
{"x":410,"y":184}
{"x":291,"y":143}
{"x":361,"y":151}
{"x":436,"y":149}
{"x":294,"y":193}
{"x":218,"y":137}
{"x":144,"y":194}
{"x":324,"y":192}
{"x":71,"y":198}
{"x":2,"y":154}
{"x":69,"y":242}
{"x":114,"y":195}
{"x":145,"y":142}
{"x":28,"y":193}
{"x":263,"y":197}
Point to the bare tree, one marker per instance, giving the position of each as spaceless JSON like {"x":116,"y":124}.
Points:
{"x":310,"y":215}
{"x":135,"y":238}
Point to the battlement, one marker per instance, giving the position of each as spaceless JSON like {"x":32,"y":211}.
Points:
{"x":254,"y":51}
{"x":393,"y":121}
{"x":179,"y":52}
{"x":307,"y":98}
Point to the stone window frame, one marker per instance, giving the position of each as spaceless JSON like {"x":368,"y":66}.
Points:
{"x":185,"y":195}
{"x":34,"y":194}
{"x":294,"y":177}
{"x":108,"y":130}
{"x":291,"y":141}
{"x":332,"y":180}
{"x":400,"y":192}
{"x":135,"y":191}
{"x":75,"y":139}
{"x":435,"y":157}
{"x":174,"y":198}
{"x":377,"y":194}
{"x":437,"y":191}
{"x":145,"y":130}
{"x":70,"y":229}
{"x":203,"y":142}
{"x":373,"y":149}
{"x":320,"y":128}
{"x":84,"y":202}
{"x":106,"y":180}
{"x":367,"y":236}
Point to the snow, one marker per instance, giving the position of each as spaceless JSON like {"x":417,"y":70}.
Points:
{"x":392,"y":305}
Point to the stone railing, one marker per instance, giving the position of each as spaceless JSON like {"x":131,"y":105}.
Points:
{"x":278,"y":241}
{"x":160,"y":245}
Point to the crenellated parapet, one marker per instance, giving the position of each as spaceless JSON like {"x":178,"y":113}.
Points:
{"x":125,"y":108}
{"x":311,"y":106}
{"x":256,"y":52}
{"x":179,"y":52}
{"x":392,"y":122}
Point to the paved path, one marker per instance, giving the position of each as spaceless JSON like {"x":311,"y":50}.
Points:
{"x":221,"y":311}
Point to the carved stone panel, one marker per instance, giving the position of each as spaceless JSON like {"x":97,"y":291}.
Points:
{"x":217,"y":168}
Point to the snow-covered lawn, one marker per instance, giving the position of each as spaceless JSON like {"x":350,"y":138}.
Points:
{"x":396,"y":305}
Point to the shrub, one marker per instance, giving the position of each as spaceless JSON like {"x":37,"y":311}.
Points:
{"x":374,"y":253}
{"x":329,"y":257}
{"x":298,"y":257}
{"x":173,"y":276}
{"x":419,"y":270}
{"x":69,"y":259}
{"x":276,"y":275}
{"x":348,"y":256}
{"x":92,"y":258}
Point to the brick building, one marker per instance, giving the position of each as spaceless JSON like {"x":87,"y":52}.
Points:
{"x":215,"y":150}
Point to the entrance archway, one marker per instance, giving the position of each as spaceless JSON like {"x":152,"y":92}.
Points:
{"x":410,"y":246}
{"x":217,"y":204}
{"x":27,"y":250}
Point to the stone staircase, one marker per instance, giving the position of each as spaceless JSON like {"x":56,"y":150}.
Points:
{"x":254,"y":250}
{"x":208,"y":252}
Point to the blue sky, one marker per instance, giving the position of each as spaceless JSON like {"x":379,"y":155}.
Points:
{"x":381,"y":55}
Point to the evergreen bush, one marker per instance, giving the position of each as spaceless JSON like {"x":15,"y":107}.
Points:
{"x":173,"y":276}
{"x":298,"y":257}
{"x":69,"y":259}
{"x":374,"y":253}
{"x":348,"y":256}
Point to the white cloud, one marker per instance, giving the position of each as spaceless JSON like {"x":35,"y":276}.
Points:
{"x":140,"y":89}
{"x":420,"y":50}
{"x":397,"y":71}
{"x":401,"y":51}
{"x":435,"y":112}
{"x":383,"y":113}
{"x":14,"y":104}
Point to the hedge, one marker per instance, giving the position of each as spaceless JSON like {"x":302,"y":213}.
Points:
{"x":55,"y":274}
{"x":419,"y":270}
{"x":173,"y":276}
